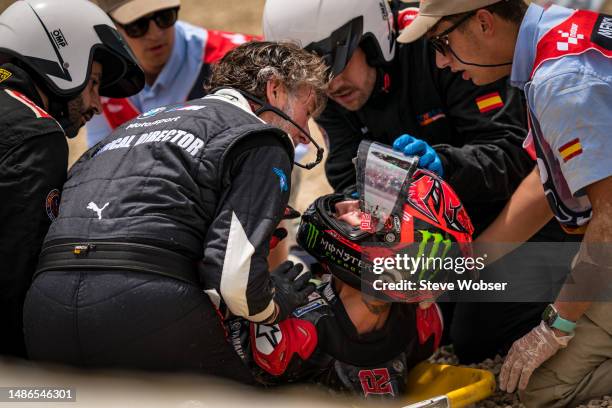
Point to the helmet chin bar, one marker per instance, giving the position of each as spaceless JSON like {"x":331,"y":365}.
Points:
{"x":266,"y":107}
{"x":58,"y":109}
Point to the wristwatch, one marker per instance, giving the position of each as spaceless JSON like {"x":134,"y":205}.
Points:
{"x":553,"y":320}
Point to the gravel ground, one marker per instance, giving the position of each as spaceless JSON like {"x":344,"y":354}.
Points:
{"x":501,"y":399}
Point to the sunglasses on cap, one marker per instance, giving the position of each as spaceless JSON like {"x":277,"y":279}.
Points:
{"x":440,"y":42}
{"x":163,"y":18}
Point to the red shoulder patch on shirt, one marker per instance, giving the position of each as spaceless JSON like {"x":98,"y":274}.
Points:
{"x":489,"y":102}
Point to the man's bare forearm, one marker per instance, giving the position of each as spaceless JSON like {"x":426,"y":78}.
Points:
{"x":592,"y":269}
{"x":526,"y":213}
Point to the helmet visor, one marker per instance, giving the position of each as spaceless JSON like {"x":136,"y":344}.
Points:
{"x":337,"y":49}
{"x":121,"y":74}
{"x":383,"y":176}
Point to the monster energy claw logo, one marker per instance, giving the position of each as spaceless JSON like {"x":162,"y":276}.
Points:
{"x":311,"y":238}
{"x":435,"y":248}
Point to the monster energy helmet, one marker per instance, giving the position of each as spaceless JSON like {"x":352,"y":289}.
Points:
{"x":404,"y":210}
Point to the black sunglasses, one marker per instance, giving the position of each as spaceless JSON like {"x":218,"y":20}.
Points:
{"x":440,"y":42}
{"x":163,"y":18}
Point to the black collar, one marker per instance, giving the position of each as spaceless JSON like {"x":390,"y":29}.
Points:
{"x":22,"y":82}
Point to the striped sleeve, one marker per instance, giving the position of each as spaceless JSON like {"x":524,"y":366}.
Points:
{"x":237,"y":243}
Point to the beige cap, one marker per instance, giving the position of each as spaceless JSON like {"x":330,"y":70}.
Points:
{"x":128,"y":11}
{"x":432,"y":11}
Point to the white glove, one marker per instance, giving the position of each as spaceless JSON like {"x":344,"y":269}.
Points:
{"x":527,"y":354}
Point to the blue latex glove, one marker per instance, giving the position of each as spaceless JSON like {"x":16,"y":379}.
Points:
{"x":428,"y":158}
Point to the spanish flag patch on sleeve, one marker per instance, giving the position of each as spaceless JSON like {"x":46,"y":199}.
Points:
{"x":570,"y":150}
{"x":489,"y":102}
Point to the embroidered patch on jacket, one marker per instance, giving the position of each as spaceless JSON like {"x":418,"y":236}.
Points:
{"x":301,"y":311}
{"x":376,"y":381}
{"x":52,"y":204}
{"x":489,"y":102}
{"x":430,"y":117}
{"x":602,"y":33}
{"x":284,"y":186}
{"x":152,"y":112}
{"x":4,"y":74}
{"x":570,"y":150}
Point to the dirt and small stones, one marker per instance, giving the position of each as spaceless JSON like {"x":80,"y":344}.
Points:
{"x":605,"y":401}
{"x":501,"y":399}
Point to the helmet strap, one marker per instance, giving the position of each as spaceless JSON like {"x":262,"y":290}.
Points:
{"x":58,"y":106}
{"x":384,"y":81}
{"x":58,"y":109}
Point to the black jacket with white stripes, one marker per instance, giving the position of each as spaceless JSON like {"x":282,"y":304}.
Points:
{"x":206,"y":179}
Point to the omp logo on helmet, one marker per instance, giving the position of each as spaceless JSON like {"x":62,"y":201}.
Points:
{"x":311,"y":237}
{"x":437,"y":240}
{"x":59,"y":38}
{"x":4,"y":74}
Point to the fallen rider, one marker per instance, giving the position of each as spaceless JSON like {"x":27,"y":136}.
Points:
{"x":342,"y":338}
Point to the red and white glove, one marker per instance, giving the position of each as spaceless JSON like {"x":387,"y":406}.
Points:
{"x":527,"y":354}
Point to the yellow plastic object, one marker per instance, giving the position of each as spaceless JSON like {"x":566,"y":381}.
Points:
{"x":461,"y":385}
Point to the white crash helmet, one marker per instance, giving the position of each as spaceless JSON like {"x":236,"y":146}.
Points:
{"x":56,"y":40}
{"x":333,"y":29}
